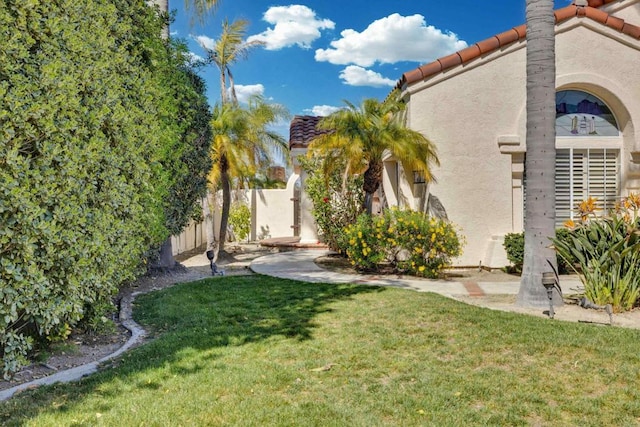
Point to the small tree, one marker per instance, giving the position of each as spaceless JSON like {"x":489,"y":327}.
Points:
{"x":337,"y":202}
{"x":242,"y":145}
{"x":358,"y":138}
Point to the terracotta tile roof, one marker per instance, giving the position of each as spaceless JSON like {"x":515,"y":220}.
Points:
{"x":516,"y":34}
{"x":302,"y":130}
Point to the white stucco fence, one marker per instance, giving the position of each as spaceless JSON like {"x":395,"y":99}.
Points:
{"x":272,"y":215}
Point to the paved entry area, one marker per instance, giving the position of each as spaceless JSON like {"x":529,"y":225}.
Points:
{"x":299,"y":265}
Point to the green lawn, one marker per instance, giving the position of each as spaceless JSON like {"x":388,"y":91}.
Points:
{"x":259,"y":351}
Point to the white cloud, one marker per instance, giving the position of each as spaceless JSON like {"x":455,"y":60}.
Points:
{"x":205,"y":42}
{"x":293,"y":25}
{"x":244,"y":92}
{"x":358,"y":76}
{"x":389,"y":40}
{"x":322,"y":110}
{"x":192,"y":58}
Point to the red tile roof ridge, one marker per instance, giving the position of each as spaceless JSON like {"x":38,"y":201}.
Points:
{"x":303,"y":129}
{"x":515,"y":34}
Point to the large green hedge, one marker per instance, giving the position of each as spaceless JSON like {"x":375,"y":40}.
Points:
{"x":91,"y":147}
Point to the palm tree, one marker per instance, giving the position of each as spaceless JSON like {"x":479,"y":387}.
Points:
{"x":361,"y":136}
{"x":540,"y":161}
{"x":242,"y":145}
{"x":198,"y":9}
{"x":228,"y":49}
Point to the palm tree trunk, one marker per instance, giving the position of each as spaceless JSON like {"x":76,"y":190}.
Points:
{"x":226,"y":201}
{"x":208,"y":223}
{"x":539,"y":215}
{"x":232,"y":87}
{"x":372,"y":180}
{"x":223,"y":86}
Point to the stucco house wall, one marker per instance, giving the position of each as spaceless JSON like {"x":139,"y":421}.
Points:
{"x":475,"y":114}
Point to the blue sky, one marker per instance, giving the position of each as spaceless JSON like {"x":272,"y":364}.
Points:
{"x":321,"y":52}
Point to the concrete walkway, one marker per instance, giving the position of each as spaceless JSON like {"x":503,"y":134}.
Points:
{"x":300,"y":265}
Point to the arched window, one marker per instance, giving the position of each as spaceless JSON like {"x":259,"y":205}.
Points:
{"x":587,"y":154}
{"x":580,"y":114}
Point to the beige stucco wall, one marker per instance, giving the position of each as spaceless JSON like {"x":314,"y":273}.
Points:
{"x":468,"y":110}
{"x":463,"y":114}
{"x":628,"y":10}
{"x":272,"y":212}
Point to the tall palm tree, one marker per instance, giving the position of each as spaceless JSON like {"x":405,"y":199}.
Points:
{"x":540,"y":157}
{"x":228,"y":49}
{"x":361,"y":135}
{"x":242,"y":145}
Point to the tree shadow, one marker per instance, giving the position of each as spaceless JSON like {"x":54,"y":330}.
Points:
{"x":198,"y":317}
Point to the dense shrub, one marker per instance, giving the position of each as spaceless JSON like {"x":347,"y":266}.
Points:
{"x":514,"y":246}
{"x":87,"y":134}
{"x":407,"y":241}
{"x":607,"y":251}
{"x":337,"y":202}
{"x":186,"y":116}
{"x":240,"y":220}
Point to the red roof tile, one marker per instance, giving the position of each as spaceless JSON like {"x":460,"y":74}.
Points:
{"x":508,"y":37}
{"x":450,"y":61}
{"x":302,"y":130}
{"x":631,"y":30}
{"x":488,"y":45}
{"x":615,"y":23}
{"x":597,"y":14}
{"x":431,"y":68}
{"x":469,"y":53}
{"x":516,"y":34}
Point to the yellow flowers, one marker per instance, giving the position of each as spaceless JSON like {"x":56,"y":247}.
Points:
{"x":408,"y":242}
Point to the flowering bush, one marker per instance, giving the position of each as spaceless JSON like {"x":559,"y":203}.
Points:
{"x":514,"y":247}
{"x":408,"y":241}
{"x":607,"y":251}
{"x":337,"y":202}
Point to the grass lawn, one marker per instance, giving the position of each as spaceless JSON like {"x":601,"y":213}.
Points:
{"x":260,"y":351}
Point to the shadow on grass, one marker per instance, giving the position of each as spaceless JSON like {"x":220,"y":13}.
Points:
{"x":199,"y":316}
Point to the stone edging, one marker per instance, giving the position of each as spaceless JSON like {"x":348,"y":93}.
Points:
{"x":78,"y":372}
